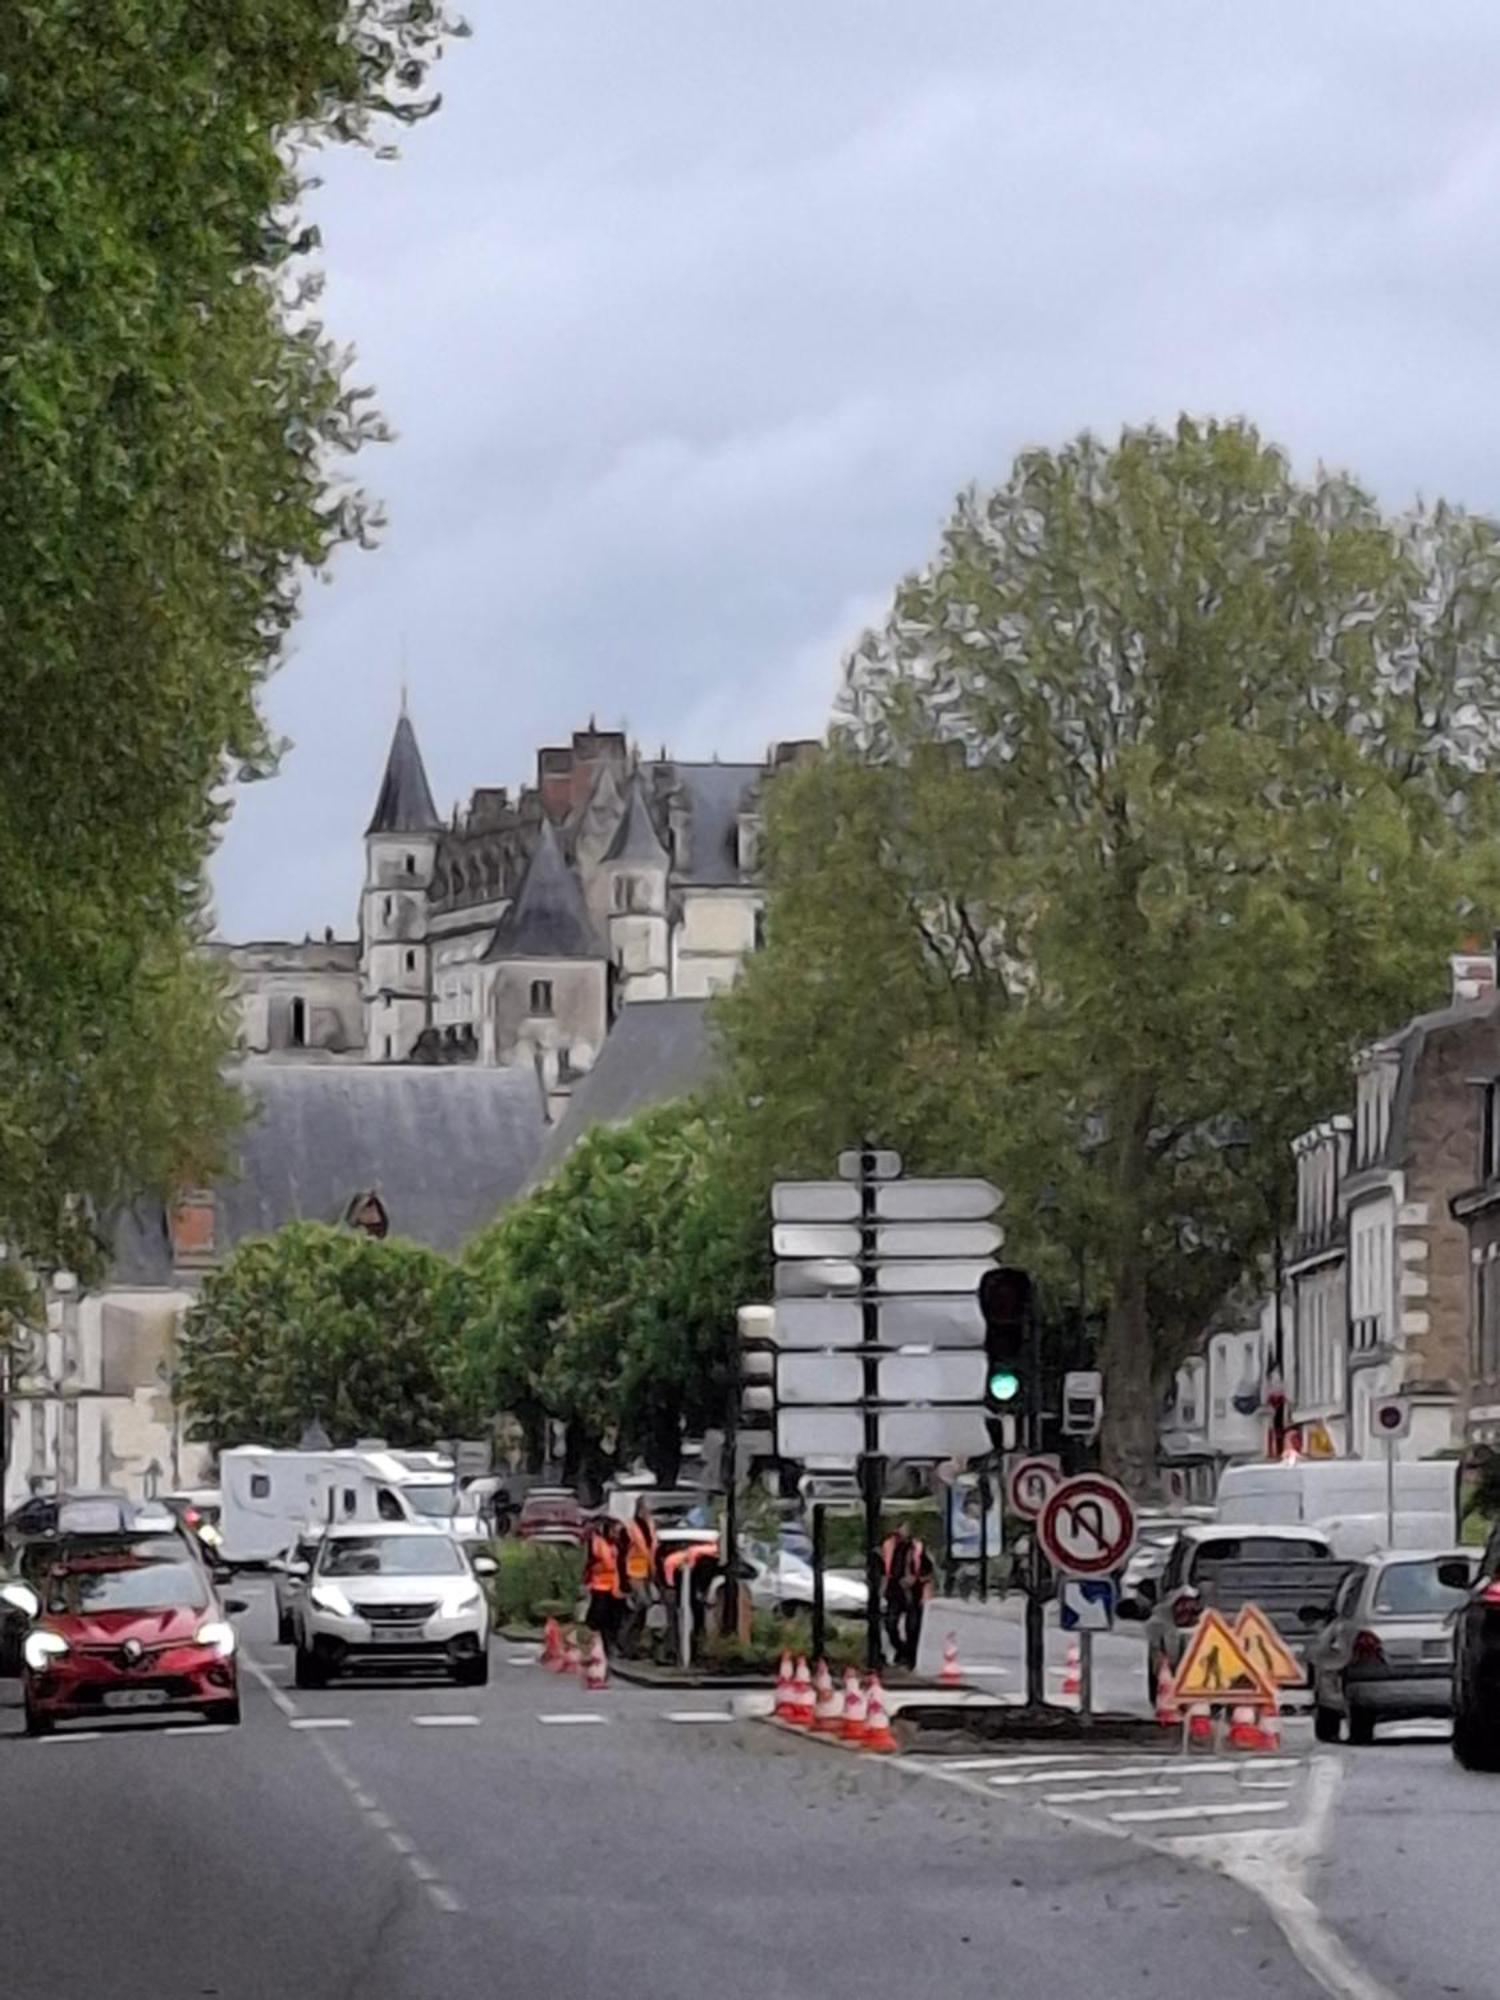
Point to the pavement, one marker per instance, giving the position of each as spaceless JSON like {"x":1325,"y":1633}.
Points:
{"x":384,"y":1842}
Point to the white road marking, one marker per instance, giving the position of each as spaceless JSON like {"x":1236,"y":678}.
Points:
{"x":572,"y":1718}
{"x":1112,"y":1792}
{"x":1098,"y":1774}
{"x":444,"y":1899}
{"x":516,"y":1661}
{"x":1233,"y":1810}
{"x":320,"y":1722}
{"x":283,"y":1701}
{"x":196,"y":1729}
{"x":423,"y":1870}
{"x":401,"y":1842}
{"x":74,"y":1736}
{"x":697,"y":1715}
{"x":445,"y":1721}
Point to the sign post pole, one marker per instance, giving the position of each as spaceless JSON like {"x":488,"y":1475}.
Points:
{"x":819,"y":1557}
{"x":984,"y":1538}
{"x":1036,"y":1631}
{"x":1390,"y":1492}
{"x":872,"y":1467}
{"x":1086,"y":1674}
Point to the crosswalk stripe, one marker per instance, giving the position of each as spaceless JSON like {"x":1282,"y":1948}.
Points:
{"x":320,"y":1722}
{"x":696,"y":1715}
{"x":1099,"y":1774}
{"x":446,"y":1721}
{"x":572,"y":1718}
{"x":1231,"y":1811}
{"x":1111,"y":1792}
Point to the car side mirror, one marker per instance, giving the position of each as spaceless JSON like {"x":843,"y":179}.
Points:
{"x":21,"y":1597}
{"x":1315,"y":1614}
{"x":1455,"y":1574}
{"x":234,"y":1605}
{"x":484,"y":1565}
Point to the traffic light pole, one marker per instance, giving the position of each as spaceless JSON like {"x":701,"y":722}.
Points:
{"x":1036,"y":1630}
{"x":872,"y":1466}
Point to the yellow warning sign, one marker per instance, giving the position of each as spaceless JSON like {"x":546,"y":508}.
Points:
{"x":1216,"y":1667}
{"x":1267,"y":1651}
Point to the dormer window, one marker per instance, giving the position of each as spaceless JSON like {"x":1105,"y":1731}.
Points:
{"x":541,"y":996}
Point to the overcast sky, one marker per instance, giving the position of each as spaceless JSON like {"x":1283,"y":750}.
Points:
{"x":692,"y":319}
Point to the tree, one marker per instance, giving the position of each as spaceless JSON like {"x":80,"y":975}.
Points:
{"x":607,"y":1297}
{"x":330,"y":1325}
{"x":1168,"y":782}
{"x":171,"y":414}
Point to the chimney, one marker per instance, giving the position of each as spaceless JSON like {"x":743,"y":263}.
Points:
{"x":1473,"y":970}
{"x":191,"y":1221}
{"x":554,"y":781}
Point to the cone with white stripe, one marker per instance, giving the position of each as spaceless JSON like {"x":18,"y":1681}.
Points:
{"x":852,"y":1727}
{"x":800,"y":1713}
{"x":951,"y":1675}
{"x":786,"y":1700}
{"x":877,"y":1734}
{"x":828,"y":1714}
{"x":572,"y":1657}
{"x":1166,"y":1696}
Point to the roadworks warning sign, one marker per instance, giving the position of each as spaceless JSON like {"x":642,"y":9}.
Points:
{"x":1216,"y":1667}
{"x":1266,"y":1650}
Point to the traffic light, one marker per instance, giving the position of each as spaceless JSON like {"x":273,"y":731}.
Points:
{"x":757,"y":1370}
{"x":1007,"y":1300}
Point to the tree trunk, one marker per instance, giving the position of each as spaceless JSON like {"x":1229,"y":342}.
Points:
{"x":664,"y":1444}
{"x":1128,"y":1443}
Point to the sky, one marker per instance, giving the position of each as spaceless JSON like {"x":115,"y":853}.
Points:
{"x":693,"y":316}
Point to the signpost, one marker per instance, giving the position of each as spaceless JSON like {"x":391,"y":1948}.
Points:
{"x":1086,"y":1526}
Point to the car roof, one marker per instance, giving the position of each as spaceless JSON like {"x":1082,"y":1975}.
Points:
{"x":1382,"y":1558}
{"x":343,"y":1531}
{"x":1282,"y":1531}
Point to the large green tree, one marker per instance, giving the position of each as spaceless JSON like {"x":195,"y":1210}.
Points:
{"x":172,"y":414}
{"x":607,"y":1297}
{"x":326,"y":1325}
{"x":1167,"y":782}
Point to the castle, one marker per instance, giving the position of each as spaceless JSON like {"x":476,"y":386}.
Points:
{"x":517,"y":932}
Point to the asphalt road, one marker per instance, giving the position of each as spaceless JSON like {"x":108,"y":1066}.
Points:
{"x":385,"y":1843}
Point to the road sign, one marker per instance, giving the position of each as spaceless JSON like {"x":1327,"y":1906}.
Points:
{"x":814,"y":1201}
{"x":1216,"y":1668}
{"x":815,"y":1239}
{"x":937,"y":1201}
{"x":1087,"y":1526}
{"x":937,"y":1239}
{"x":1267,"y":1651}
{"x":948,"y":1274}
{"x":829,"y":1437}
{"x":1390,"y":1417}
{"x":954,"y":1321}
{"x":953,"y":1377}
{"x":1086,"y":1604}
{"x":1031,"y":1481}
{"x":816,"y":1277}
{"x":818,"y":1323}
{"x":819,"y":1378}
{"x":883,"y":1165}
{"x":934,"y":1432}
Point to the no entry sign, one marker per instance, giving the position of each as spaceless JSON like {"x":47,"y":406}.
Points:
{"x":1087,"y":1526}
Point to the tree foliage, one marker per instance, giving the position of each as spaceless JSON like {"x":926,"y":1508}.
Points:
{"x":1169,"y":781}
{"x":328,"y":1325}
{"x":607,"y":1297}
{"x":171,"y":416}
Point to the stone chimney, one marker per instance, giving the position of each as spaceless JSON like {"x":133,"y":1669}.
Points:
{"x":554,"y":781}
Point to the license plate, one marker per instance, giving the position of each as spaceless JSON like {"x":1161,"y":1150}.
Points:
{"x":135,"y":1698}
{"x":395,"y":1635}
{"x":1435,"y":1649}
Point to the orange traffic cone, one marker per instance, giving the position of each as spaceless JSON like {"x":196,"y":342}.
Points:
{"x":551,"y":1645}
{"x":877,"y":1734}
{"x":1166,"y":1697}
{"x":801,"y":1713}
{"x":1200,"y":1725}
{"x":951,"y":1675}
{"x":1244,"y":1734}
{"x":597,"y":1676}
{"x":828,"y":1713}
{"x":786,"y":1700}
{"x":1269,"y":1729}
{"x":572,"y":1658}
{"x":852,"y":1727}
{"x":1073,"y":1671}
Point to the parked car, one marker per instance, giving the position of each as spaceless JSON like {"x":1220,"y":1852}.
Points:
{"x":1476,"y":1657}
{"x":291,"y":1573}
{"x":127,"y":1622}
{"x":784,"y":1582}
{"x":550,"y":1513}
{"x":1384,"y":1649}
{"x":409,"y":1596}
{"x":1155,"y":1537}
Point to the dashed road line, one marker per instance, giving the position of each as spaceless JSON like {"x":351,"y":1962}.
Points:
{"x":438,"y":1893}
{"x":283,"y":1701}
{"x":73,"y":1736}
{"x":196,"y":1729}
{"x":572,"y":1717}
{"x":697,"y":1715}
{"x":320,"y":1722}
{"x":444,"y":1721}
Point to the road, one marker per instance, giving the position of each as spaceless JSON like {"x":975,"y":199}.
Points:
{"x":385,"y":1843}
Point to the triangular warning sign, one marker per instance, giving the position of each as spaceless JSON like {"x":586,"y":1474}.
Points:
{"x":1216,"y":1667}
{"x":1268,"y":1652}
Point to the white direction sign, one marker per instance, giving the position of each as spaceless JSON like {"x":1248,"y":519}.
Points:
{"x":1087,"y":1527}
{"x":933,"y":1432}
{"x":816,"y":1277}
{"x":818,"y":1323}
{"x":836,"y":1436}
{"x":884,"y":1165}
{"x":1031,"y":1481}
{"x":956,"y":1376}
{"x":936,"y":1201}
{"x":815,"y":1239}
{"x":911,"y":1274}
{"x":814,"y":1201}
{"x":819,"y":1378}
{"x":955,"y":1321}
{"x":937,"y":1239}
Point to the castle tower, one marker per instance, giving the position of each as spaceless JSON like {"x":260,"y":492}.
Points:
{"x":636,"y":867}
{"x":400,"y":850}
{"x":545,"y":973}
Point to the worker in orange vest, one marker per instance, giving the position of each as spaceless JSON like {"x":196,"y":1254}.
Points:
{"x":640,"y":1557}
{"x":701,"y":1560}
{"x":906,"y":1573}
{"x":603,"y":1580}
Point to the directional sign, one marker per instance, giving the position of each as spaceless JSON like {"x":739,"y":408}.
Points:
{"x":1216,"y":1668}
{"x":1267,"y":1651}
{"x":1086,"y":1604}
{"x":829,"y":1436}
{"x":953,"y":1377}
{"x":818,"y":1323}
{"x":937,"y":1201}
{"x":937,"y":1239}
{"x":884,"y":1165}
{"x":819,"y":1378}
{"x":1087,"y":1526}
{"x":814,"y":1201}
{"x":815,"y":1239}
{"x":954,"y":1321}
{"x":1031,"y":1482}
{"x":933,"y":1432}
{"x":953,"y":1274}
{"x":815,"y":1278}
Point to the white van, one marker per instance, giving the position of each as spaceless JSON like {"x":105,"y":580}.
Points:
{"x":1348,"y":1501}
{"x":269,"y":1497}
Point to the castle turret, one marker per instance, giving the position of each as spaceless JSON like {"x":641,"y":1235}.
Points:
{"x":636,"y":866}
{"x":400,"y":851}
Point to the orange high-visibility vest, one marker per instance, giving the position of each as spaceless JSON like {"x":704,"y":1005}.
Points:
{"x":602,"y":1572}
{"x":640,"y":1558}
{"x":691,"y":1554}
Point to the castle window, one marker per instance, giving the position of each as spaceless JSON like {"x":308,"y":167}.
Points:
{"x":411,"y":961}
{"x":632,"y":892}
{"x":299,"y":1023}
{"x":411,"y":864}
{"x":387,"y":1048}
{"x":390,"y":908}
{"x":541,"y":996}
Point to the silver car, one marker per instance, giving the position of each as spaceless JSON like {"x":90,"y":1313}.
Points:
{"x":1384,"y":1651}
{"x":291,"y":1572}
{"x":409,"y":1596}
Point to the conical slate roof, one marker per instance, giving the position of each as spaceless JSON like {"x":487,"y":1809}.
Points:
{"x":549,"y":918}
{"x":405,"y":801}
{"x":636,"y":837}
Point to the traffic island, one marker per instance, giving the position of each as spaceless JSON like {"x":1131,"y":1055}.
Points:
{"x":934,"y":1730}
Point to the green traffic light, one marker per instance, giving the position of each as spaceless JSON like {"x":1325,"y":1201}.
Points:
{"x":1004,"y":1387}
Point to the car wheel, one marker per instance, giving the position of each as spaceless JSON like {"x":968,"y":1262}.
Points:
{"x":308,"y":1671}
{"x":1326,"y":1723}
{"x":473,"y":1673}
{"x":38,"y":1724}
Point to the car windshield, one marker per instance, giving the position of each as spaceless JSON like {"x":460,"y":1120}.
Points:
{"x":436,"y":1500}
{"x":1281,"y":1549}
{"x":137,"y":1578}
{"x":391,"y":1555}
{"x":1414,"y":1590}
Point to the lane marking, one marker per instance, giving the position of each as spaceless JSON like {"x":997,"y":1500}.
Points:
{"x":423,"y":1870}
{"x":572,"y":1718}
{"x":73,"y":1736}
{"x":402,"y":1843}
{"x":283,"y":1701}
{"x":320,"y":1722}
{"x":445,"y":1899}
{"x":696,"y":1715}
{"x":444,"y":1721}
{"x":1112,"y":1792}
{"x":196,"y":1729}
{"x":1100,"y":1774}
{"x":515,"y":1660}
{"x":1234,"y":1810}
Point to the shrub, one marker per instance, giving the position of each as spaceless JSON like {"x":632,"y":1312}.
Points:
{"x":535,"y":1581}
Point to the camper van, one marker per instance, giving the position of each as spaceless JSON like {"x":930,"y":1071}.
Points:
{"x":269,"y":1497}
{"x":1358,"y":1504}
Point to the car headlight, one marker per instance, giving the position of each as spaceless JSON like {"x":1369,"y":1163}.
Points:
{"x":219,"y":1634}
{"x":458,"y":1601}
{"x":40,"y":1649}
{"x":328,"y":1597}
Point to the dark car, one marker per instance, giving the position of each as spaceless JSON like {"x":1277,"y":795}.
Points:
{"x":1476,"y":1657}
{"x":127,"y":1623}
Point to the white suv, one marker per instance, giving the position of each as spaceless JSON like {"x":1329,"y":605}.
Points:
{"x":408,"y":1596}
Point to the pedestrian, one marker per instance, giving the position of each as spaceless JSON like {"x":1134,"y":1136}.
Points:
{"x":906,"y":1573}
{"x":603,"y":1580}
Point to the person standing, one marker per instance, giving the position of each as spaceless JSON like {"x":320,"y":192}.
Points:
{"x":603,"y":1581}
{"x":906,"y":1568}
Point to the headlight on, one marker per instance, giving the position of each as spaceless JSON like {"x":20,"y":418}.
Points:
{"x":219,"y":1634}
{"x":457,"y":1602}
{"x":40,"y":1649}
{"x":328,"y":1597}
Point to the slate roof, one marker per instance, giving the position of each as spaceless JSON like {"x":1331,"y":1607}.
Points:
{"x":716,"y":794}
{"x":657,"y":1050}
{"x":636,"y":837}
{"x":1409,"y":1043}
{"x":405,"y":801}
{"x":444,"y":1148}
{"x":549,"y":918}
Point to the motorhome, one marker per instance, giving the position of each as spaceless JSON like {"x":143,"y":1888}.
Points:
{"x":269,"y":1497}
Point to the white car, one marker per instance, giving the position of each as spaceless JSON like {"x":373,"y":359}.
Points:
{"x":783,"y":1581}
{"x":392,"y":1596}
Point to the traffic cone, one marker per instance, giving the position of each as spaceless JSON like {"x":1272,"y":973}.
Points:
{"x":877,"y":1734}
{"x":1244,"y":1734}
{"x":597,"y":1676}
{"x":573,"y":1658}
{"x":1269,"y":1729}
{"x":1201,"y":1725}
{"x":951,"y":1675}
{"x":1166,"y":1698}
{"x":828,"y":1714}
{"x":852,"y":1727}
{"x":552,"y":1646}
{"x":787,"y":1707}
{"x":801,"y":1713}
{"x":1072,"y":1683}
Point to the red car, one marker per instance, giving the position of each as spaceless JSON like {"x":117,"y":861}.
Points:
{"x":128,"y":1624}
